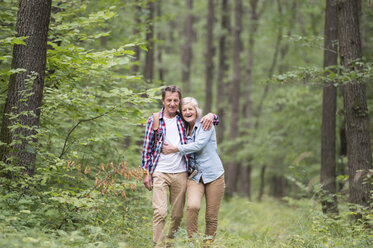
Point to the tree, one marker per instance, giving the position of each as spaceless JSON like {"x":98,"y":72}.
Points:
{"x":329,"y":106}
{"x":255,"y":13}
{"x":359,"y":156}
{"x":223,"y":67}
{"x":25,"y":90}
{"x":277,"y":51}
{"x":279,"y":182}
{"x":232,"y":175}
{"x":264,"y":95}
{"x":209,"y":56}
{"x":149,"y":59}
{"x":160,"y":46}
{"x":136,"y":49}
{"x":187,"y":52}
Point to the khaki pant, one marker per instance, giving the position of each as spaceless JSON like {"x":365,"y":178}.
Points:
{"x":213,"y":192}
{"x":162,"y":183}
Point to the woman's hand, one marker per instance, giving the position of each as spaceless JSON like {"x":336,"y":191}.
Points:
{"x":207,"y":121}
{"x":169,"y":148}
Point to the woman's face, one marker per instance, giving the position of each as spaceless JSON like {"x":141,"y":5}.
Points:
{"x":189,"y":113}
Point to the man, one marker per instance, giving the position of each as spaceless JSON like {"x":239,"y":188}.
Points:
{"x":167,"y":172}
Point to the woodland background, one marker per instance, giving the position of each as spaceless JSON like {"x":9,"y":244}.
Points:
{"x":289,"y":80}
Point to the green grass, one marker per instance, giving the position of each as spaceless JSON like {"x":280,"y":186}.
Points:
{"x":270,"y":223}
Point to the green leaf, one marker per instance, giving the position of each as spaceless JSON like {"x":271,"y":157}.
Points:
{"x":30,"y":149}
{"x":19,"y":41}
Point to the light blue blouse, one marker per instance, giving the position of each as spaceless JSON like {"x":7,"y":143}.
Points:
{"x":203,"y":144}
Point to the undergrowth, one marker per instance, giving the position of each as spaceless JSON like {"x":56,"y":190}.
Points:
{"x":111,"y":220}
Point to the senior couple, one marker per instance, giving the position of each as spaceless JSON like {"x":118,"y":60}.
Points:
{"x":180,"y":156}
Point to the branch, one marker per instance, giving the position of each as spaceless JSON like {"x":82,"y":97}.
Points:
{"x":77,"y":124}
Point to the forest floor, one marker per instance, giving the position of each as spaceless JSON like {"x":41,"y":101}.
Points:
{"x":270,"y":223}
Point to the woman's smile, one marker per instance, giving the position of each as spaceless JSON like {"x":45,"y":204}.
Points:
{"x":189,"y":113}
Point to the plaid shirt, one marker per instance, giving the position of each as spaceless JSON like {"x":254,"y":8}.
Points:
{"x":151,"y":151}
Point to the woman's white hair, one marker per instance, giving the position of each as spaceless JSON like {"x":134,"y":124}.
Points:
{"x":193,"y":101}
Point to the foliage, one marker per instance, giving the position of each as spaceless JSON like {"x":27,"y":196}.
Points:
{"x":298,"y":224}
{"x":90,"y":110}
{"x":337,"y":75}
{"x":75,"y":211}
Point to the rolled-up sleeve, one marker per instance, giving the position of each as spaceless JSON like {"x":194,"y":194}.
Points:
{"x":203,"y":137}
{"x":216,"y":121}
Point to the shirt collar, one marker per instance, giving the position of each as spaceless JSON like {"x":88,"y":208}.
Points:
{"x":161,"y":114}
{"x":197,"y":125}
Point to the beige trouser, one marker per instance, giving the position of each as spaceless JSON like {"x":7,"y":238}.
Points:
{"x":162,"y":183}
{"x":213,"y":192}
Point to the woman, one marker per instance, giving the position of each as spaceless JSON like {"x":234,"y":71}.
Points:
{"x":209,"y":180}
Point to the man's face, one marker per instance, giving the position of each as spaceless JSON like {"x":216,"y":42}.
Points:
{"x":171,"y":103}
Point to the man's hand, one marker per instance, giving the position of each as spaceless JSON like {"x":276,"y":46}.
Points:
{"x":148,"y":183}
{"x":207,"y":121}
{"x":169,"y":148}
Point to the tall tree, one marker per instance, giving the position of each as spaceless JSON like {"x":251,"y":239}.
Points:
{"x":359,"y":156}
{"x":262,"y":98}
{"x":254,"y":14}
{"x":172,"y":26}
{"x":135,"y":31}
{"x":279,"y":182}
{"x":149,"y":59}
{"x":223,"y":66}
{"x":232,"y":175}
{"x":187,"y":52}
{"x":209,"y":56}
{"x":285,"y":48}
{"x":273,"y":65}
{"x":160,"y":46}
{"x":266,"y":90}
{"x":25,"y":90}
{"x":329,"y":106}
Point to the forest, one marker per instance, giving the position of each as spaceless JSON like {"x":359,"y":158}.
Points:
{"x":288,"y":79}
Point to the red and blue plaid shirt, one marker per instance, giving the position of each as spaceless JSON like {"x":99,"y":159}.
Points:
{"x":152,"y":147}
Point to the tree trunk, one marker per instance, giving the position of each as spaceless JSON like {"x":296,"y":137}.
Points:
{"x":209,"y":56}
{"x":136,"y":49}
{"x":160,"y":46}
{"x":187,"y":48}
{"x":25,"y":90}
{"x":271,"y":68}
{"x":261,"y":188}
{"x":265,"y":92}
{"x":278,"y":186}
{"x":149,"y":59}
{"x":103,"y":41}
{"x":329,"y":106}
{"x":223,"y":67}
{"x":172,"y":26}
{"x":246,"y":172}
{"x":245,"y":180}
{"x":233,"y":167}
{"x":285,"y":48}
{"x":359,"y":154}
{"x":341,"y":166}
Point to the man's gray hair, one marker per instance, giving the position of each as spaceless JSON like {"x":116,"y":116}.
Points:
{"x":193,"y":101}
